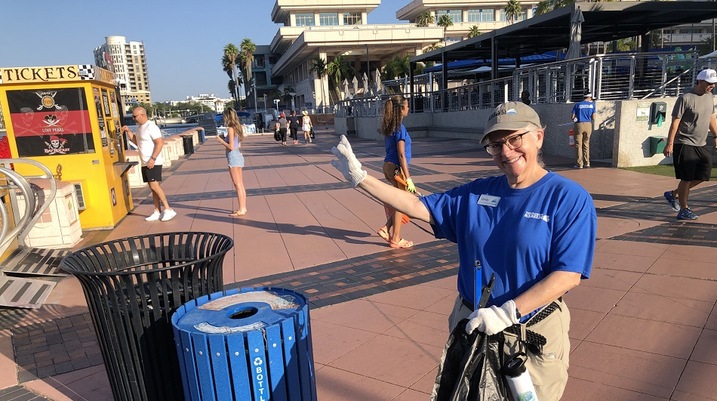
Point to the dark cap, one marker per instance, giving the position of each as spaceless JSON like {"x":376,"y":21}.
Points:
{"x":510,"y":116}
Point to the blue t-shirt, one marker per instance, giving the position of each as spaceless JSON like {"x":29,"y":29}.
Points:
{"x":521,"y":235}
{"x":390,"y":144}
{"x":584,"y":111}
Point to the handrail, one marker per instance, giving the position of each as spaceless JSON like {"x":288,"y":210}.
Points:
{"x":32,"y":212}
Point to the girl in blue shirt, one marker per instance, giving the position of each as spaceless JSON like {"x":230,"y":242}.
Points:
{"x":397,"y":144}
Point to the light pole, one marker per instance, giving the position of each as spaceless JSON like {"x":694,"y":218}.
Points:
{"x":253,"y":87}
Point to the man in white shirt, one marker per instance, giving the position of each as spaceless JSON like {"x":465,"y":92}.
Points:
{"x":149,"y":141}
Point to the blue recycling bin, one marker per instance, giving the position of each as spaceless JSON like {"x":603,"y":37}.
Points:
{"x":246,"y":344}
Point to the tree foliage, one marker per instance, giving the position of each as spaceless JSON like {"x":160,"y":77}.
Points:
{"x":318,"y":67}
{"x":247,"y":49}
{"x":425,"y":19}
{"x":338,"y":69}
{"x":397,"y":67}
{"x":229,"y":64}
{"x":512,"y":10}
{"x":474,"y":31}
{"x":444,"y":21}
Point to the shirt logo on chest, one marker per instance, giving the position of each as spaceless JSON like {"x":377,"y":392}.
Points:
{"x":539,"y":216}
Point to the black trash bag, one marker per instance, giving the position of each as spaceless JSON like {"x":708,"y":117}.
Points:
{"x":471,"y":368}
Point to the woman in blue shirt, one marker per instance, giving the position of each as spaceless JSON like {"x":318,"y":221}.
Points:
{"x":397,"y":144}
{"x":235,"y":160}
{"x":530,"y":228}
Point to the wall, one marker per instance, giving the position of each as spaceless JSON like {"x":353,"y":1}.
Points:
{"x":619,"y":136}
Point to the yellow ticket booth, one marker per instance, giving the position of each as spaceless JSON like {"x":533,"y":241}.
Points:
{"x":68,"y":118}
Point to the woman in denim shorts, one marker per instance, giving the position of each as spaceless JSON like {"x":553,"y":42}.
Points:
{"x":232,"y":143}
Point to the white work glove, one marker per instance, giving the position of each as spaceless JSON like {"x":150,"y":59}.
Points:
{"x":347,"y":162}
{"x":493,"y":319}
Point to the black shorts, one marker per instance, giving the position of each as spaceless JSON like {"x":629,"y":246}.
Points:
{"x":692,"y":163}
{"x":152,"y":174}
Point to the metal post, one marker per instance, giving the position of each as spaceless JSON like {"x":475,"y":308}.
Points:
{"x":368,"y":69}
{"x":253,"y":84}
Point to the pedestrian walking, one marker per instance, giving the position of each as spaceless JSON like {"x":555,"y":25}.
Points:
{"x":283,"y":124}
{"x":306,"y":126}
{"x":692,"y":118}
{"x":294,"y":125}
{"x":583,"y":115}
{"x":149,"y":141}
{"x":532,"y":229}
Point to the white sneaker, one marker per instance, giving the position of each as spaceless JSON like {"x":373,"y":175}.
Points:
{"x":154,"y":216}
{"x":168,"y":215}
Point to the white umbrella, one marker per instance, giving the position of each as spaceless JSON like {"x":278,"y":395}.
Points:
{"x":347,"y":94}
{"x":576,"y":32}
{"x":355,"y":82}
{"x":366,"y":89}
{"x":377,"y":81}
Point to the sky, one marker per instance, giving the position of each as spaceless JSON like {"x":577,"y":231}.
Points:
{"x":183,"y":39}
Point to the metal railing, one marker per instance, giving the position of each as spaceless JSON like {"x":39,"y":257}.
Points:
{"x":608,"y":77}
{"x":34,"y":201}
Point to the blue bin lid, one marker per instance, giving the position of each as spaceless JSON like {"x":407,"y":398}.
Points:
{"x":249,"y":310}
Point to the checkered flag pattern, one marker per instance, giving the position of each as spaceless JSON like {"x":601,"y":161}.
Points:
{"x":87,"y":71}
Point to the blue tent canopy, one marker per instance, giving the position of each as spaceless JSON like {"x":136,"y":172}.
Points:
{"x":546,"y":57}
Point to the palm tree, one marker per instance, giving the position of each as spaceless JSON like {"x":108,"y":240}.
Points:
{"x":425,"y":19}
{"x":339,"y":69}
{"x":318,"y":67}
{"x":512,"y":10}
{"x":229,"y":62}
{"x":429,"y":49}
{"x":473,"y":32}
{"x":445,"y":21}
{"x":247,"y":48}
{"x":397,"y":67}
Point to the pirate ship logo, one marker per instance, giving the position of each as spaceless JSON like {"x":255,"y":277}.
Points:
{"x":47,"y":100}
{"x":56,"y":146}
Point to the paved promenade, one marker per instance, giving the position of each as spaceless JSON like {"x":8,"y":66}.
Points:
{"x":644,"y":327}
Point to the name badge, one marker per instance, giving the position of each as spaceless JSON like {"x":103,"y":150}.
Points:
{"x":488,"y":200}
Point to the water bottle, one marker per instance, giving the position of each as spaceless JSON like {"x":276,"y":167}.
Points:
{"x":518,"y":378}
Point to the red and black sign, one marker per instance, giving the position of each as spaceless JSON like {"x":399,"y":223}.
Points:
{"x":50,"y":122}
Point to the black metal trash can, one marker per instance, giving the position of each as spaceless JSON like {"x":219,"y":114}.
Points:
{"x":132,"y":286}
{"x":188,"y":143}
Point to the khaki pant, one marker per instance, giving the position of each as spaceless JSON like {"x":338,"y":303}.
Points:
{"x":582,"y":133}
{"x":549,"y":371}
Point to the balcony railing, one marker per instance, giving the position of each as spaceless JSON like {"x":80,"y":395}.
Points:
{"x":607,"y":77}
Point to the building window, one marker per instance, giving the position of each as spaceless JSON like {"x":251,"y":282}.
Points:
{"x":328,"y":19}
{"x":481,"y":15}
{"x":520,"y":17}
{"x":352,"y":18}
{"x":260,"y":78}
{"x":456,"y":15}
{"x":259,"y":60}
{"x":305,"y":20}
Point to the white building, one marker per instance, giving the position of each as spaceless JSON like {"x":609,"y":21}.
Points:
{"x":129,"y":63}
{"x":328,"y":29}
{"x":210,"y":101}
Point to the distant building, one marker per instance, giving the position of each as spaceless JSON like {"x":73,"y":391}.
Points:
{"x":209,"y":100}
{"x":316,"y":28}
{"x":329,"y":29}
{"x":129,"y":63}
